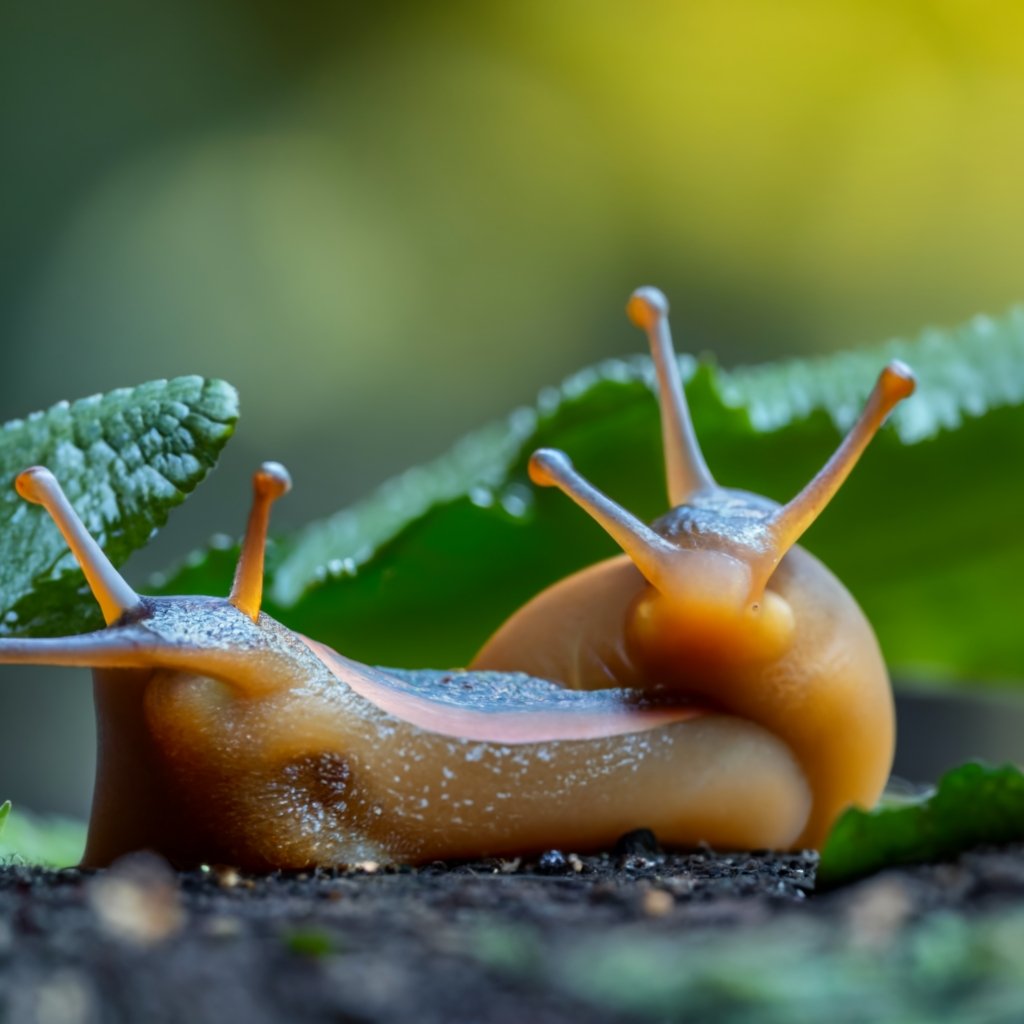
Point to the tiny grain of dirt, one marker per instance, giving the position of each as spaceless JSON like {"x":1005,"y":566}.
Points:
{"x":550,"y":939}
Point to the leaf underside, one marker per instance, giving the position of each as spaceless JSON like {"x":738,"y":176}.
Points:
{"x":125,"y":459}
{"x":973,"y":804}
{"x":925,"y":533}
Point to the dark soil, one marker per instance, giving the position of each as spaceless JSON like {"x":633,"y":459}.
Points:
{"x":561,"y":938}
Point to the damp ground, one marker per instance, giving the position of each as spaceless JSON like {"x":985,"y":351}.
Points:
{"x":633,"y":934}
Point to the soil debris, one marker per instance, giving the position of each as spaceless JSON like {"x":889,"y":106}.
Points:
{"x":635,"y":933}
{"x":137,"y":900}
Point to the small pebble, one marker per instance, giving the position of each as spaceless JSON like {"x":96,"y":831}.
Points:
{"x":552,"y":862}
{"x":640,"y":842}
{"x":881,"y":910}
{"x":227,"y":877}
{"x":137,"y":899}
{"x":680,"y":885}
{"x":636,"y":863}
{"x":658,"y":903}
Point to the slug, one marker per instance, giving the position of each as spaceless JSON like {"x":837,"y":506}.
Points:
{"x":716,"y":604}
{"x":224,"y":737}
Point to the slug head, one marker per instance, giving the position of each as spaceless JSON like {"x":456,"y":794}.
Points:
{"x":709,"y":561}
{"x":214,"y":637}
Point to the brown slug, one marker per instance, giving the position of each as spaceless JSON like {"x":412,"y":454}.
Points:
{"x":715,"y":604}
{"x":224,"y":737}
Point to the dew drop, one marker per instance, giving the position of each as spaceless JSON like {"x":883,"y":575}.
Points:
{"x":516,"y":501}
{"x":482,"y":497}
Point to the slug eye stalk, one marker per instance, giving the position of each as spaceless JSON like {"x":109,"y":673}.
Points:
{"x":686,"y":472}
{"x":895,"y":383}
{"x":113,"y":594}
{"x":115,"y":598}
{"x":163,"y":632}
{"x":666,"y":565}
{"x":270,"y":482}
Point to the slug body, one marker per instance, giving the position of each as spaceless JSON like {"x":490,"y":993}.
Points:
{"x":714,"y":603}
{"x":715,"y":684}
{"x":224,"y":737}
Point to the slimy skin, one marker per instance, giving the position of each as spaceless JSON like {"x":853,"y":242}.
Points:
{"x":827,"y":697}
{"x":715,"y":603}
{"x":715,"y":684}
{"x":226,"y":738}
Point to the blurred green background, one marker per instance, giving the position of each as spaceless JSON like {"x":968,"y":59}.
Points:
{"x":387,"y":224}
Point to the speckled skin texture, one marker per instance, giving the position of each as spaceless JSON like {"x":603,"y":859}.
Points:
{"x":212,"y":757}
{"x":824,"y":691}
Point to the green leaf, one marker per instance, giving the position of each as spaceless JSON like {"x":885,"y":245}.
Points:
{"x":925,"y":533}
{"x":972,"y":804}
{"x":39,"y":839}
{"x":125,"y":459}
